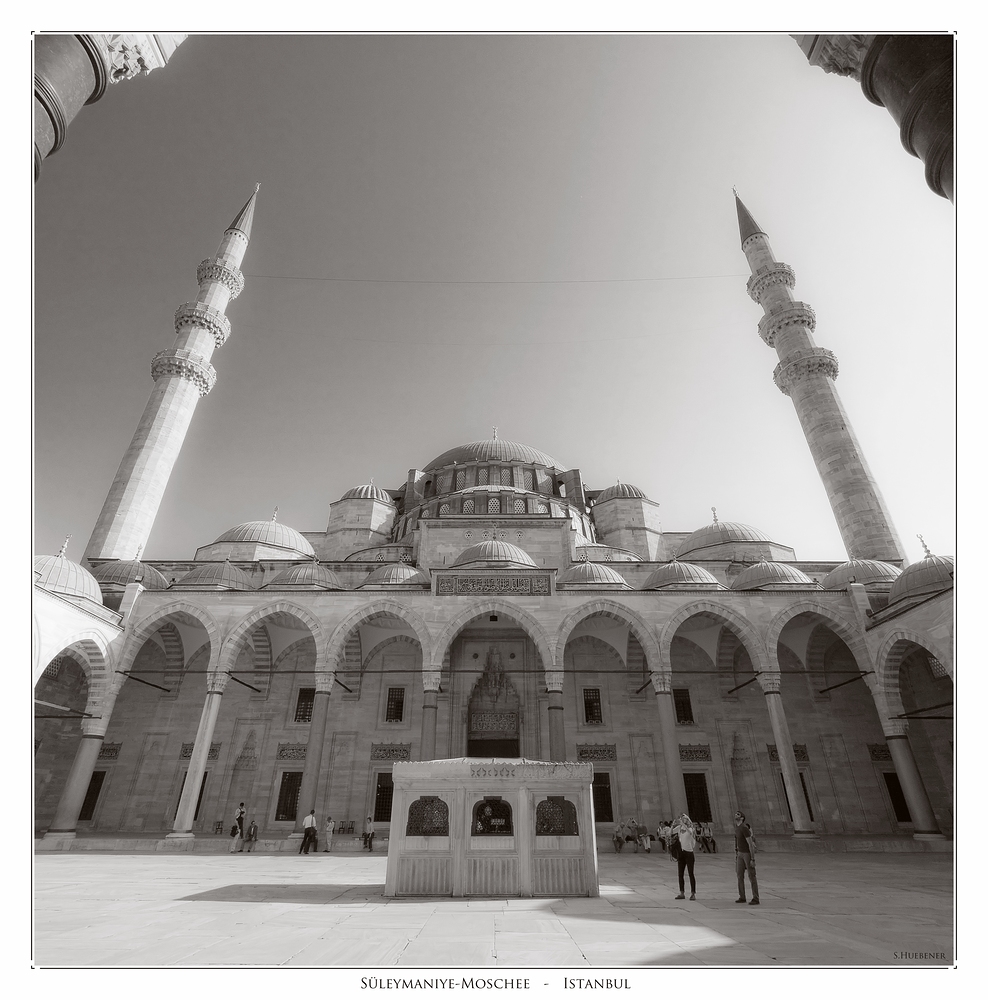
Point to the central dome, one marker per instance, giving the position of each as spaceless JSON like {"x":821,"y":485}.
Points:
{"x":495,"y":551}
{"x":493,"y":450}
{"x":268,"y":533}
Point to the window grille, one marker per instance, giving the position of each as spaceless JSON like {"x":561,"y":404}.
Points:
{"x":684,"y":708}
{"x":591,"y":707}
{"x":383,"y":798}
{"x":529,"y":479}
{"x":444,"y":483}
{"x":519,"y":505}
{"x":291,"y":785}
{"x":542,"y":509}
{"x":482,"y":477}
{"x":303,"y":707}
{"x":443,"y":509}
{"x":506,"y":477}
{"x":936,"y":667}
{"x":468,"y":506}
{"x":461,"y":478}
{"x":51,"y":671}
{"x":428,"y":817}
{"x":602,"y":808}
{"x":396,"y":705}
{"x":491,"y":818}
{"x":494,"y":505}
{"x":555,"y":817}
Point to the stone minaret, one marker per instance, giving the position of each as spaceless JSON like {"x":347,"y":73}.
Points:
{"x":806,"y":374}
{"x":181,"y":376}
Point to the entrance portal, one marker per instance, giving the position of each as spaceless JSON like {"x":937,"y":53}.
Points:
{"x":493,"y":712}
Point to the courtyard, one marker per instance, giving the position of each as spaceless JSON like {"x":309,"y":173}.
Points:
{"x":286,"y":910}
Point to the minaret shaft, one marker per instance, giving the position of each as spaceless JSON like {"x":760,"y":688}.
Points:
{"x":182,"y":375}
{"x":806,"y":374}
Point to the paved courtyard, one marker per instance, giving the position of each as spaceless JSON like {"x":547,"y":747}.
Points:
{"x":327,"y":910}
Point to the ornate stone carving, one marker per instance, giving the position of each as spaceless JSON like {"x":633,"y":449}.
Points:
{"x":798,"y":751}
{"x":428,"y":816}
{"x":187,"y":748}
{"x":488,"y":585}
{"x":554,"y":680}
{"x":596,"y":751}
{"x":248,"y":755}
{"x":798,"y":314}
{"x":842,"y":55}
{"x":776,"y":273}
{"x":494,"y":722}
{"x":185,"y":364}
{"x":109,"y":751}
{"x":742,"y":759}
{"x":694,"y":751}
{"x":879,"y":751}
{"x":129,"y":54}
{"x":431,"y":680}
{"x":291,"y":751}
{"x":801,"y":364}
{"x":492,"y":681}
{"x":391,"y":751}
{"x":212,"y":269}
{"x":199,"y":314}
{"x":465,"y":767}
{"x":661,"y":681}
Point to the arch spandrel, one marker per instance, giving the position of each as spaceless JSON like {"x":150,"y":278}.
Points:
{"x":531,"y":625}
{"x":727,"y":616}
{"x":386,"y":606}
{"x":641,"y":630}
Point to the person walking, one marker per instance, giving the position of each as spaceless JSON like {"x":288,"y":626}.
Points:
{"x":308,"y":832}
{"x":239,"y":817}
{"x":684,"y":829}
{"x":369,"y":834}
{"x":251,"y":839}
{"x":744,"y":858}
{"x":330,"y":830}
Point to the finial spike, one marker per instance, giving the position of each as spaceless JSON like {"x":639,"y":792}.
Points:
{"x":714,"y":512}
{"x":140,"y":549}
{"x":926,"y":547}
{"x":274,"y":514}
{"x":372,"y":480}
{"x":495,"y":432}
{"x":65,"y":545}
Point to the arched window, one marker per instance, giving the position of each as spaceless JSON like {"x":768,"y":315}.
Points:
{"x":494,"y":505}
{"x":444,"y":482}
{"x":443,"y":509}
{"x":482,"y":477}
{"x":461,"y":478}
{"x":428,"y":816}
{"x":505,"y":476}
{"x":519,"y":505}
{"x":491,"y":818}
{"x":529,"y":479}
{"x":468,"y":506}
{"x":555,"y":816}
{"x":542,"y":509}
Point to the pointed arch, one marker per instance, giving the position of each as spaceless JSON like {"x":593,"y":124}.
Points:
{"x":384,"y":606}
{"x":239,"y":635}
{"x":611,"y":609}
{"x":94,"y":655}
{"x":836,"y":622}
{"x":143,"y":631}
{"x":531,"y":625}
{"x":745,"y":631}
{"x":892,"y":652}
{"x":388,"y":642}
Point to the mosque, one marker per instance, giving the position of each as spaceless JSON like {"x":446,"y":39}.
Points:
{"x":492,"y":606}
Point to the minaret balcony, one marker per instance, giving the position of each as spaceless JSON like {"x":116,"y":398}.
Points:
{"x":194,"y":368}
{"x":803,"y":364}
{"x":764,"y":278}
{"x":212,"y":269}
{"x":798,"y":314}
{"x":205,"y":317}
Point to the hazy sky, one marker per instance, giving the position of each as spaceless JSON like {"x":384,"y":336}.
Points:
{"x":536,"y":232}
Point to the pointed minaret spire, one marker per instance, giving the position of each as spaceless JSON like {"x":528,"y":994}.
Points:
{"x":806,"y":374}
{"x":181,"y":375}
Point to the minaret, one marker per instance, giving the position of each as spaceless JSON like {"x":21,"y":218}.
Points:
{"x":806,"y":374}
{"x":181,"y":376}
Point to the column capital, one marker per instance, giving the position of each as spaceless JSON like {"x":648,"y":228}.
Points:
{"x":801,"y":364}
{"x":199,"y":314}
{"x":216,"y":681}
{"x":185,"y":364}
{"x":431,"y":680}
{"x":324,"y":681}
{"x":895,"y":729}
{"x":661,"y":681}
{"x":554,"y":680}
{"x":770,"y":682}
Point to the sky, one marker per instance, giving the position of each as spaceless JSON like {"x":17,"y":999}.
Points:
{"x":455,"y":232}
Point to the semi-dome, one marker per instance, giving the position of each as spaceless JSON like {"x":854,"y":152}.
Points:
{"x":495,"y":551}
{"x":493,"y":450}
{"x":306,"y":576}
{"x":59,"y":575}
{"x":268,"y":533}
{"x":682,"y":576}
{"x":772,"y":576}
{"x":215,"y":576}
{"x":368,"y":492}
{"x":929,"y":576}
{"x":622,"y":491}
{"x":720,"y":533}
{"x":121,"y":572}
{"x":395,"y":575}
{"x":591,"y":574}
{"x":872,"y":573}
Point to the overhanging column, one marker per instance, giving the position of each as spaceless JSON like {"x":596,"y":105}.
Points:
{"x":924,"y":821}
{"x":802,"y":824}
{"x":197,"y":763}
{"x":430,"y":713}
{"x":557,"y":733}
{"x":313,"y":751}
{"x":662,"y":685}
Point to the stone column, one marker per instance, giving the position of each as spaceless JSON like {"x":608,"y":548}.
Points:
{"x":924,"y":821}
{"x":771,"y":685}
{"x":430,"y":712}
{"x":200,"y":754}
{"x":557,"y":734}
{"x":662,"y":685}
{"x":70,"y":804}
{"x":313,"y":751}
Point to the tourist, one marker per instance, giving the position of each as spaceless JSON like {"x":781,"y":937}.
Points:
{"x":644,"y":839}
{"x":744,"y":860}
{"x":618,"y":837}
{"x":234,"y":838}
{"x":251,"y":838}
{"x":308,"y":833}
{"x":330,"y":830}
{"x":683,"y":828}
{"x":369,"y":834}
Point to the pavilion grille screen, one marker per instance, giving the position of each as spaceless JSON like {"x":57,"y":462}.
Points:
{"x":684,"y":708}
{"x":591,"y":707}
{"x":382,"y":798}
{"x":428,"y":817}
{"x":396,"y":705}
{"x":303,"y":707}
{"x":291,"y":783}
{"x":603,"y":812}
{"x":697,"y":799}
{"x":555,"y":817}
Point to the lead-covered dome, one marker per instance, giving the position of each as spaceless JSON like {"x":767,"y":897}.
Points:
{"x":306,"y":576}
{"x":721,"y":533}
{"x":121,"y":572}
{"x":59,"y":575}
{"x":620,"y":491}
{"x":682,"y":576}
{"x":592,"y":575}
{"x":272,"y":533}
{"x":215,"y":576}
{"x":496,"y":551}
{"x":493,"y":450}
{"x":773,"y":576}
{"x":368,"y":492}
{"x":929,"y":576}
{"x":872,"y":573}
{"x":395,"y":575}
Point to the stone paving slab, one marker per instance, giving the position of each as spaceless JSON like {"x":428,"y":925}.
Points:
{"x":200,"y":911}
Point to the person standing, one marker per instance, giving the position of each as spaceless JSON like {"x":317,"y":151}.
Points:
{"x":330,"y":830}
{"x":235,"y":839}
{"x":369,"y":834}
{"x":251,"y":839}
{"x":744,"y":857}
{"x":308,"y":832}
{"x":238,"y":817}
{"x":684,"y":829}
{"x":644,"y":839}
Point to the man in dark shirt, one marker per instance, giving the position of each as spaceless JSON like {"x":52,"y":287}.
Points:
{"x":744,"y":858}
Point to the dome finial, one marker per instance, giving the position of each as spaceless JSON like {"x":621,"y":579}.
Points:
{"x":274,"y":514}
{"x":65,"y":545}
{"x":495,"y":432}
{"x":371,"y":480}
{"x":713,"y":510}
{"x":926,"y":547}
{"x":619,"y":480}
{"x":137,"y":554}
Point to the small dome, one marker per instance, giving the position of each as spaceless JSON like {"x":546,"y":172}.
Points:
{"x":870,"y":572}
{"x":493,"y":551}
{"x":216,"y":576}
{"x":121,"y":572}
{"x":395,"y":574}
{"x":493,"y":450}
{"x":591,"y":574}
{"x":621,"y":491}
{"x":772,"y":576}
{"x":719,"y":533}
{"x":59,"y":575}
{"x":929,"y":576}
{"x":682,"y":576}
{"x":368,"y":492}
{"x":310,"y":576}
{"x":268,"y":533}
